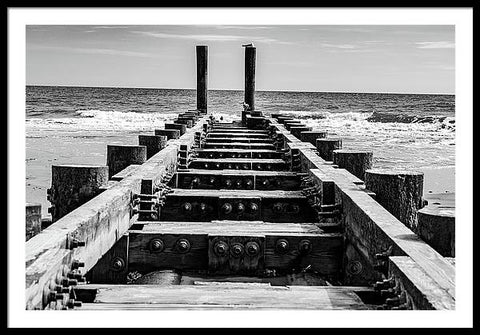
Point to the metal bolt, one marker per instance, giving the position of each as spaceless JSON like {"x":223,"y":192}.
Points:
{"x":76,"y":243}
{"x":236,"y":250}
{"x":69,"y":282}
{"x":227,"y":208}
{"x":61,"y":289}
{"x":196,"y":181}
{"x":183,"y":245}
{"x":266,"y":182}
{"x":252,"y":248}
{"x":248,"y":183}
{"x":206,"y":165}
{"x":253,"y":207}
{"x":212,"y":180}
{"x":221,"y":248}
{"x":72,"y":303}
{"x":118,"y":264}
{"x":157,"y":245}
{"x":245,"y":166}
{"x":282,"y":246}
{"x":240,"y":207}
{"x":217,"y":165}
{"x":229,"y":166}
{"x":54,"y":295}
{"x":238,"y":183}
{"x":228,"y":183}
{"x":305,"y":246}
{"x":295,"y":208}
{"x":202,"y":207}
{"x":187,"y":207}
{"x":278,"y":207}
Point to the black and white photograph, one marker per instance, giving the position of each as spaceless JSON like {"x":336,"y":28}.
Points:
{"x":184,"y":166}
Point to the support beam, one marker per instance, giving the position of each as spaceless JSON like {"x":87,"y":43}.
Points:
{"x":250,"y":58}
{"x":202,"y":77}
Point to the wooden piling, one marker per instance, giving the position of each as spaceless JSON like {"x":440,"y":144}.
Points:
{"x":326,"y":146}
{"x":33,"y":220}
{"x":74,"y":185}
{"x":202,"y":77}
{"x":400,"y":192}
{"x":153,"y":143}
{"x":354,"y":161}
{"x":311,"y":136}
{"x":121,"y":156}
{"x":250,"y":57}
{"x":170,"y":133}
{"x":436,"y":226}
{"x":177,"y":126}
{"x":296,"y":130}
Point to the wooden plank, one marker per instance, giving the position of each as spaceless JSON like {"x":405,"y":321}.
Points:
{"x":128,"y":171}
{"x":238,"y":164}
{"x":113,"y":266}
{"x":238,"y":145}
{"x":238,"y":153}
{"x":324,"y":255}
{"x":235,"y":135}
{"x":238,"y":179}
{"x":99,"y":223}
{"x":232,"y":296}
{"x":422,"y":291}
{"x":238,"y":139}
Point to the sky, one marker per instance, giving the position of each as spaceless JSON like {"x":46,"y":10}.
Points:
{"x":313,"y":58}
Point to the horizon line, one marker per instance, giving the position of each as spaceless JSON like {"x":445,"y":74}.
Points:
{"x":233,"y":89}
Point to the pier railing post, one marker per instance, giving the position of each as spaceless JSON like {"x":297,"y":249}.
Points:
{"x":250,"y":57}
{"x":202,"y":77}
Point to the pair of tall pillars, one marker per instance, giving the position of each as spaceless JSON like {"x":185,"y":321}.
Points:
{"x":202,"y":77}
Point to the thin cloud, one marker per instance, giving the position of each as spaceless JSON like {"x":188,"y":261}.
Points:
{"x":338,"y":46}
{"x":435,"y":45}
{"x":210,"y":37}
{"x":93,"y":51}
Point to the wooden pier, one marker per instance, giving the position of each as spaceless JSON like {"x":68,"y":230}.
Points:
{"x":259,"y":213}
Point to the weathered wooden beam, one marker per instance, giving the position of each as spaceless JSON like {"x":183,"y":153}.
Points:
{"x":170,"y":133}
{"x":121,"y":156}
{"x":281,"y":246}
{"x":33,"y":220}
{"x":239,"y":145}
{"x":239,"y":140}
{"x":238,"y":153}
{"x":235,"y":135}
{"x":153,"y":143}
{"x":250,"y":58}
{"x":223,"y":296}
{"x":93,"y":228}
{"x":206,"y":205}
{"x":128,"y":171}
{"x":238,"y":179}
{"x":202,"y":77}
{"x":238,"y":164}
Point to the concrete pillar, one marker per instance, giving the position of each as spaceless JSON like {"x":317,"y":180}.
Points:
{"x":153,"y":143}
{"x":33,"y":220}
{"x":325,"y":147}
{"x":354,"y":161}
{"x":170,"y":133}
{"x":74,"y":185}
{"x":121,"y":156}
{"x":400,"y":192}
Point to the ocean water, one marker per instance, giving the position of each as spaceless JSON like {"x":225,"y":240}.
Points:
{"x":73,"y":125}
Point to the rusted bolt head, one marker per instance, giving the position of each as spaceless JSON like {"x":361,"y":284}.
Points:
{"x":304,"y":246}
{"x":206,"y":165}
{"x":268,"y":167}
{"x":354,"y":267}
{"x":220,"y":155}
{"x":253,"y":207}
{"x":259,"y":166}
{"x":245,"y":166}
{"x":77,"y":264}
{"x":266,"y":182}
{"x":217,"y":165}
{"x":196,"y":181}
{"x":157,"y":245}
{"x":187,"y":207}
{"x":183,"y":245}
{"x":278,"y":207}
{"x":282,"y":246}
{"x":228,"y":183}
{"x":229,"y":166}
{"x":248,"y":183}
{"x":210,"y":155}
{"x":221,"y":248}
{"x":278,"y":182}
{"x":252,"y":248}
{"x":240,"y":207}
{"x":202,"y":207}
{"x":227,"y":208}
{"x":294,"y":208}
{"x":238,"y":183}
{"x":237,"y":166}
{"x":236,"y":250}
{"x":118,"y":264}
{"x":212,"y":180}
